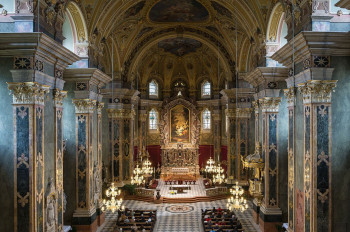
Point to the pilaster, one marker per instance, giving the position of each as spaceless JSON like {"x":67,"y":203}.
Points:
{"x":217,"y":135}
{"x":317,"y":103}
{"x":121,"y":123}
{"x":29,"y":166}
{"x":290,"y":95}
{"x":85,"y":213}
{"x":58,"y":97}
{"x":270,"y":213}
{"x":98,"y":167}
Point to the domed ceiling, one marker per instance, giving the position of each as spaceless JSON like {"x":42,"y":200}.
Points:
{"x":180,"y":46}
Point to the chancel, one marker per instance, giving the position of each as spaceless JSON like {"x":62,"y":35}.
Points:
{"x":175,"y":115}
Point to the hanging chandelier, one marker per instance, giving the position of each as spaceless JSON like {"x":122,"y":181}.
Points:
{"x":112,"y":204}
{"x":137,"y":178}
{"x":237,"y":201}
{"x":210,"y":167}
{"x":219,"y":176}
{"x":147,"y":169}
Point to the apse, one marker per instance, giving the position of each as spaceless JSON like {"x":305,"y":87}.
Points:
{"x":178,"y":11}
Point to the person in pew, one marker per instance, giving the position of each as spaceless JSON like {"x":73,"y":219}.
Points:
{"x":134,"y":228}
{"x":149,"y":220}
{"x":212,"y":215}
{"x":132,"y":213}
{"x":206,"y":216}
{"x":212,"y":230}
{"x":127,"y":220}
{"x":225,"y":215}
{"x":239,"y":225}
{"x":132,"y":220}
{"x":142,"y":229}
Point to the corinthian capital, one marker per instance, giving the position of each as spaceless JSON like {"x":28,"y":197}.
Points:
{"x":290,"y":95}
{"x":316,"y":91}
{"x":270,"y":104}
{"x":121,"y":113}
{"x":100,"y":106}
{"x":28,"y":92}
{"x":84,"y":106}
{"x":58,"y":97}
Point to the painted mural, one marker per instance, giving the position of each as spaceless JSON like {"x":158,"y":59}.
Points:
{"x":178,"y":11}
{"x":180,"y":46}
{"x":179,"y":124}
{"x":134,"y":10}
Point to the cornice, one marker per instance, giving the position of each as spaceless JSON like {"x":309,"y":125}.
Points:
{"x":93,"y":75}
{"x":314,"y":43}
{"x":30,"y":44}
{"x":262,"y":74}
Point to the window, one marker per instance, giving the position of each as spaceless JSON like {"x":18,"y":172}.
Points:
{"x":153,"y":120}
{"x":153,"y":88}
{"x":206,"y":119}
{"x":206,"y":89}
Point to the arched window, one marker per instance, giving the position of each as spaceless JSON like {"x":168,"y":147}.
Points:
{"x":206,"y":89}
{"x":206,"y":119}
{"x":153,"y":120}
{"x":153,"y":89}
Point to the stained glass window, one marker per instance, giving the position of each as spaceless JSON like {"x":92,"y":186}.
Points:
{"x":206,"y":119}
{"x":153,"y":120}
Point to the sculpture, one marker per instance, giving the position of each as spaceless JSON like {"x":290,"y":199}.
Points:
{"x":51,"y":207}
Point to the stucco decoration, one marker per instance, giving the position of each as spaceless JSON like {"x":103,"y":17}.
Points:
{"x":178,"y":11}
{"x":180,"y":46}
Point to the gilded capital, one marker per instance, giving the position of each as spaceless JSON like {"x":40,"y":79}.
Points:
{"x":142,"y":117}
{"x":28,"y":92}
{"x":58,"y":97}
{"x":121,"y":113}
{"x":239,"y":113}
{"x":270,"y":104}
{"x":99,"y":106}
{"x":317,"y":91}
{"x":84,"y":106}
{"x":290,"y":95}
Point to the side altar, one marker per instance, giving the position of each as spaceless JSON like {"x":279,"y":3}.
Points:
{"x":179,"y":130}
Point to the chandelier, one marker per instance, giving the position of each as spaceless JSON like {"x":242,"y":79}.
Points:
{"x":219,"y":176}
{"x":210,"y":167}
{"x":237,"y":201}
{"x":147,"y":169}
{"x":137,"y":178}
{"x":113,"y":204}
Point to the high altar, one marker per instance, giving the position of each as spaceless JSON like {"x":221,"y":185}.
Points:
{"x":179,"y":129}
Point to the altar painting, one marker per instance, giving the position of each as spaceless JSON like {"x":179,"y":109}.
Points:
{"x":179,"y":124}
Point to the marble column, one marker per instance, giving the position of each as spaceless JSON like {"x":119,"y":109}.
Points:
{"x":58,"y":96}
{"x":29,"y":169}
{"x":270,"y":213}
{"x":317,"y":101}
{"x":121,"y":124}
{"x":290,"y":95}
{"x":84,"y":217}
{"x":98,"y":167}
{"x":256,"y":123}
{"x":231,"y":140}
{"x":243,"y":116}
{"x":142,"y":130}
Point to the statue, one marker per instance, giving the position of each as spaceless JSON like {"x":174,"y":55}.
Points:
{"x":50,"y":211}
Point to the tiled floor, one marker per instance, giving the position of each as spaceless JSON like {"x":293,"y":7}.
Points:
{"x":196,"y":190}
{"x":180,"y":222}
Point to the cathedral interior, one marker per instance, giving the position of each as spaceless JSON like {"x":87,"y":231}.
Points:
{"x":175,"y":115}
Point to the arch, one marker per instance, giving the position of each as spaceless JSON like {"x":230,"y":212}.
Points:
{"x":77,"y":36}
{"x":275,"y":24}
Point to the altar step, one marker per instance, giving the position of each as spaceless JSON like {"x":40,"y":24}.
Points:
{"x":139,"y":198}
{"x":194,"y":199}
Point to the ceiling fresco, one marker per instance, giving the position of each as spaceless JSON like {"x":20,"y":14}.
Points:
{"x":178,"y":11}
{"x":134,"y":10}
{"x":180,"y":46}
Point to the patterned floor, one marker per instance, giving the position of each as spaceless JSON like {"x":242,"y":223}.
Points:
{"x":171,"y":219}
{"x":196,"y":190}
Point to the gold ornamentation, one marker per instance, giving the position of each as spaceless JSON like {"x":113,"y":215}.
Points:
{"x":84,"y":106}
{"x":323,"y":196}
{"x":28,"y":92}
{"x":58,"y":97}
{"x":290,"y":95}
{"x":23,"y":200}
{"x":322,"y":158}
{"x":316,"y":91}
{"x":270,"y":104}
{"x":121,"y":113}
{"x":100,"y":106}
{"x":23,"y":160}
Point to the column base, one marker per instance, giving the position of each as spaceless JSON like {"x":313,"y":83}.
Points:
{"x":84,"y":223}
{"x":269,"y":218}
{"x":100,"y":217}
{"x":256,"y":210}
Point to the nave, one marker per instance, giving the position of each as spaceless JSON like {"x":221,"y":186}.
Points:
{"x":170,"y":221}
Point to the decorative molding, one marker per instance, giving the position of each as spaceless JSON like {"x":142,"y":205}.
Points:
{"x":270,"y":104}
{"x":121,"y":113}
{"x":263,"y":75}
{"x":28,"y":92}
{"x":58,"y":97}
{"x":290,"y":95}
{"x":84,"y":106}
{"x":100,"y":106}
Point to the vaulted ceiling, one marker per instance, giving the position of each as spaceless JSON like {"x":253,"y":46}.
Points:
{"x":195,"y":38}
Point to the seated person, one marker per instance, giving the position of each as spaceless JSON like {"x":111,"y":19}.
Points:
{"x":142,"y":229}
{"x":149,"y":220}
{"x":127,"y":220}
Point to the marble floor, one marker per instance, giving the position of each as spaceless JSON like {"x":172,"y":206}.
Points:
{"x":179,"y":217}
{"x":196,"y":190}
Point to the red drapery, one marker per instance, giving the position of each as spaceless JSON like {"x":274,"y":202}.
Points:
{"x":155,"y":154}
